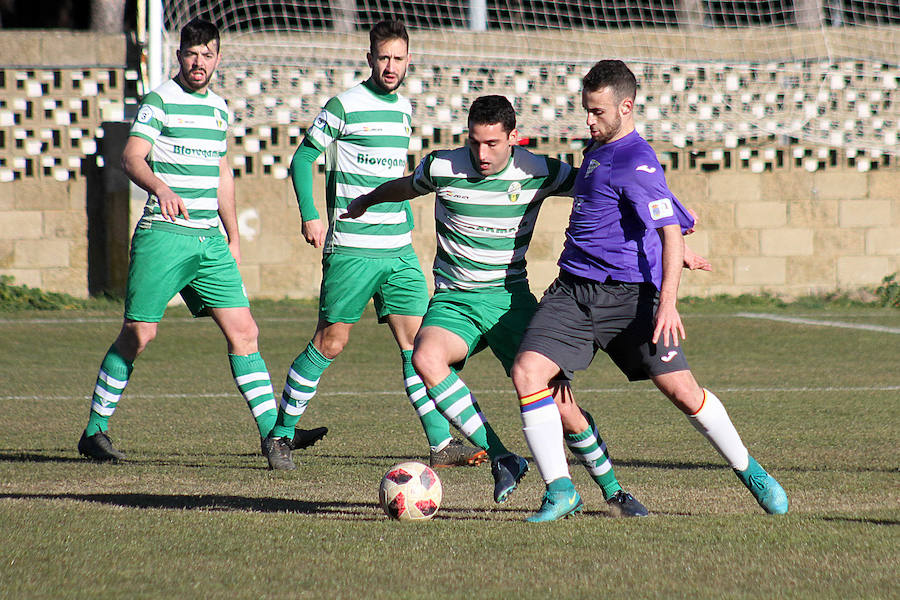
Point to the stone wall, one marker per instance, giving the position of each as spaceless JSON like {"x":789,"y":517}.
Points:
{"x":787,"y":233}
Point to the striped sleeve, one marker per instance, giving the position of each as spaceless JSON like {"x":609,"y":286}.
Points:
{"x":328,"y":125}
{"x":150,"y":118}
{"x":421,"y":181}
{"x":564,"y":182}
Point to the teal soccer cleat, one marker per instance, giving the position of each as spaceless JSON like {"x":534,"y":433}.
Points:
{"x":557,"y":504}
{"x":765,"y":489}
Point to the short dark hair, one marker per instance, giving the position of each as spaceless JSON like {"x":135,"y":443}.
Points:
{"x":613,"y":74}
{"x":487,"y":110}
{"x":386,"y":30}
{"x":199,"y":33}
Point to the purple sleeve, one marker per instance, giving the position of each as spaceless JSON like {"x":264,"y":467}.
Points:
{"x":653,"y":201}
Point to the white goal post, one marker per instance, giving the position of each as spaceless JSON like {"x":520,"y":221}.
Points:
{"x":720,"y":72}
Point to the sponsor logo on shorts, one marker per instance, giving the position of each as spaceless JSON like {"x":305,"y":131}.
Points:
{"x":646,"y":169}
{"x":660,"y":209}
{"x":669,"y":357}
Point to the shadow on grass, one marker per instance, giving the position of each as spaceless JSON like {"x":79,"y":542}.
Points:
{"x":863,"y":520}
{"x":33,"y":457}
{"x":19,"y":456}
{"x":216,"y":502}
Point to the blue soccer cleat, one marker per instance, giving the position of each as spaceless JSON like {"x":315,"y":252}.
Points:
{"x":507,"y":470}
{"x":767,"y":491}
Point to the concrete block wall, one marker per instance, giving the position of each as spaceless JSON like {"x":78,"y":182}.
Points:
{"x":43,"y":235}
{"x":794,"y":232}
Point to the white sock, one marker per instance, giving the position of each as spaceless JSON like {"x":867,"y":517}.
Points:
{"x":543,"y":431}
{"x":713,"y":422}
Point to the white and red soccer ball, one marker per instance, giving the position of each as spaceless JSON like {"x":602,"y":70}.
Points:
{"x":410,"y":491}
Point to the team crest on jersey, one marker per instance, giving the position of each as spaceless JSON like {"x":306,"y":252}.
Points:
{"x":591,"y":166}
{"x":145,"y":114}
{"x":660,"y":209}
{"x":514,"y":190}
{"x":221,"y":120}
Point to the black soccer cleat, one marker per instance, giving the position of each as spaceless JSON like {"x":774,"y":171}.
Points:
{"x":99,"y":447}
{"x":624,"y":504}
{"x":278,"y":453}
{"x":457,"y":454}
{"x":304,"y":438}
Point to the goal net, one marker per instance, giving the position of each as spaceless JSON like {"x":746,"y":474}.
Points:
{"x":711,"y":72}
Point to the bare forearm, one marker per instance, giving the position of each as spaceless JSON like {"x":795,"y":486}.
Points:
{"x":672,"y":262}
{"x":138,"y":171}
{"x":396,"y":190}
{"x":227,"y":205}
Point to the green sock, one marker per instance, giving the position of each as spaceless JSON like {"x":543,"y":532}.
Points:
{"x":458,"y":405}
{"x":111,"y":382}
{"x":252,"y":379}
{"x":437,"y":428}
{"x":590,"y":449}
{"x":299,"y":388}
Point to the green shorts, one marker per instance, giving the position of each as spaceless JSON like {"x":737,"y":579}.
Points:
{"x":397,"y":285}
{"x":483,"y":319}
{"x":164,"y":263}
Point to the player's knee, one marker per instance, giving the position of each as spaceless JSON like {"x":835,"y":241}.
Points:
{"x":523,"y":377}
{"x":332,"y":345}
{"x":426,"y":361}
{"x":134,"y":338}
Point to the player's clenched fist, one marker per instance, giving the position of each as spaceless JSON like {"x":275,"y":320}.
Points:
{"x":356,"y":208}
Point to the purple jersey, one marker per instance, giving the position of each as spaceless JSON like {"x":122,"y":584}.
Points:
{"x":621,"y":198}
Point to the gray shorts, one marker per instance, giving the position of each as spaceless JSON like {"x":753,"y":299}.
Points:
{"x":577,"y":316}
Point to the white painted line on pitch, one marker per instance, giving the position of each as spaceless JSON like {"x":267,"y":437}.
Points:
{"x":799,"y":321}
{"x":399,"y":392}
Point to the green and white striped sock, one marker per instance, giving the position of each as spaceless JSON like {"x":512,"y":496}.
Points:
{"x":458,"y":406}
{"x":299,"y":388}
{"x":590,"y":450}
{"x":252,"y":379}
{"x":437,"y":428}
{"x":111,"y":381}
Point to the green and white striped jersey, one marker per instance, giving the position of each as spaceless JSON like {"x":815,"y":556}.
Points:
{"x":365,"y":136}
{"x":188,"y":133}
{"x":484,"y":223}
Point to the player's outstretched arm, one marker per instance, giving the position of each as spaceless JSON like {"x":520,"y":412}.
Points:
{"x":694,"y":261}
{"x":134,"y":163}
{"x":397,"y":190}
{"x":668,"y":321}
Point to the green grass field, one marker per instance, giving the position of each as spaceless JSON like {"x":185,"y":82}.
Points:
{"x":194,"y":513}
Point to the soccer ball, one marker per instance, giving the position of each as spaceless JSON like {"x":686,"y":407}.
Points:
{"x":410,"y":491}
